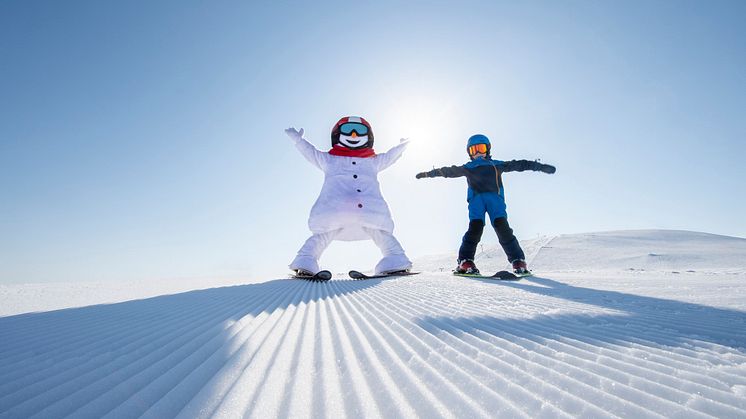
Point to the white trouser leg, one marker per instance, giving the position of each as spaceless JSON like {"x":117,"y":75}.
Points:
{"x":309,"y":254}
{"x":394,"y":258}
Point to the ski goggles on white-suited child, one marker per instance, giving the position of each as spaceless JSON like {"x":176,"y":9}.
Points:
{"x":349,"y":127}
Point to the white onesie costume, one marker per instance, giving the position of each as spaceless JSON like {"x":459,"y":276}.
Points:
{"x":350,"y":207}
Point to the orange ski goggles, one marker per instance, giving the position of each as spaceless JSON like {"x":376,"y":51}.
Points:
{"x":477,"y":149}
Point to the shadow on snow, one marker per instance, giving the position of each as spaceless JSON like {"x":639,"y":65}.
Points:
{"x":625,"y":318}
{"x":87,"y":360}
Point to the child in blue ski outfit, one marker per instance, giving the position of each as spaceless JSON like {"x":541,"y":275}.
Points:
{"x":486,"y":195}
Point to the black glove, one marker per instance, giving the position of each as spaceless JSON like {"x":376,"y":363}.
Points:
{"x":421,"y":175}
{"x":548,"y":168}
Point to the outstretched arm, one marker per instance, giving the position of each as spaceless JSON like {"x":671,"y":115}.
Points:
{"x":449,"y":171}
{"x":316,"y":157}
{"x":390,"y":157}
{"x":523,"y":165}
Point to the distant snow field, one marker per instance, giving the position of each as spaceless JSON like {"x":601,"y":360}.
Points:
{"x":630,"y":324}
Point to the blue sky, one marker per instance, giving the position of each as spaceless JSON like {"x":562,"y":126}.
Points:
{"x":144,"y":140}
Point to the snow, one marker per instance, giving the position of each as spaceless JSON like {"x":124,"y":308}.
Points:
{"x":616,"y":324}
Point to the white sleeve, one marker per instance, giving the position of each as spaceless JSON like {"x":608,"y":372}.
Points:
{"x":390,"y":157}
{"x":316,"y":157}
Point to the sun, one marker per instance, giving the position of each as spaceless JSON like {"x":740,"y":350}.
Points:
{"x":424,"y":122}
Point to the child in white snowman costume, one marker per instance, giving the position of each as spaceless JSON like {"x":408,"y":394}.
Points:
{"x":350,"y":206}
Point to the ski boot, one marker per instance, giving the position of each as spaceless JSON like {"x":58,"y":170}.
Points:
{"x":519,"y":267}
{"x":467,"y":266}
{"x":303,"y":273}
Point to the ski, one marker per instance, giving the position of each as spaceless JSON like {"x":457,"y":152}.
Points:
{"x":319,"y":276}
{"x":501,"y":275}
{"x":359,"y":275}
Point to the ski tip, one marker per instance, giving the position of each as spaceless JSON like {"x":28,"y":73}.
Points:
{"x":323,"y":275}
{"x":505,"y":275}
{"x":511,"y":275}
{"x":359,"y":275}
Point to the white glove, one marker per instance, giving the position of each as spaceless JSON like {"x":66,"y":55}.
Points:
{"x":294,"y":133}
{"x":403,"y":140}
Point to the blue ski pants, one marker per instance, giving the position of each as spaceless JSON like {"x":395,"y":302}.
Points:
{"x":493,"y":204}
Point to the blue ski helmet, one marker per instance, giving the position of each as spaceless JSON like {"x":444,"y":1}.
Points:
{"x":478,"y":139}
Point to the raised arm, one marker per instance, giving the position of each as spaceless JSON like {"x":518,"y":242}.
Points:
{"x":390,"y":157}
{"x":523,"y":165}
{"x":449,"y":171}
{"x":316,"y":157}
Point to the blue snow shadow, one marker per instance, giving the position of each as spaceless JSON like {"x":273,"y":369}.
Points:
{"x":635,"y":319}
{"x":148,"y":346}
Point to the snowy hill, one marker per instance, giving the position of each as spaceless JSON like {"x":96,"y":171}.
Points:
{"x":636,"y":250}
{"x":616,"y":324}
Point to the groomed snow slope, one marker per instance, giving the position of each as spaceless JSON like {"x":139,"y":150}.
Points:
{"x":628,"y":324}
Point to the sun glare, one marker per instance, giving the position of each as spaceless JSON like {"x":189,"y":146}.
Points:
{"x":424,"y":121}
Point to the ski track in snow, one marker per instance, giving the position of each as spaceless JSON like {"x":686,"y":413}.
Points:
{"x":430,"y":345}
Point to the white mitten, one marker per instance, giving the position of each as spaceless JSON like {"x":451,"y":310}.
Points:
{"x":294,"y":133}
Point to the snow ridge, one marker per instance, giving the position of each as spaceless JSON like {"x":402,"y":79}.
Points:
{"x":380,"y":349}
